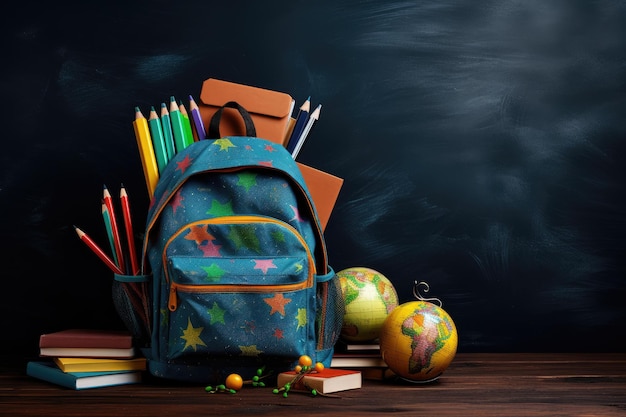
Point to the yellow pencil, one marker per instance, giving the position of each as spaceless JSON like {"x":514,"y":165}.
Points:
{"x":146,"y":151}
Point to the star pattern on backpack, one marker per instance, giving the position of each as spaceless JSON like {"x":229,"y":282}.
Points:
{"x":199,"y":234}
{"x":217,"y":314}
{"x":183,"y":164}
{"x":250,"y":350}
{"x":277,"y":302}
{"x":264,"y":264}
{"x":191,"y":336}
{"x":224,"y":144}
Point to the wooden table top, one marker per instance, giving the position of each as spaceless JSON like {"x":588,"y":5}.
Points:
{"x":519,"y":384}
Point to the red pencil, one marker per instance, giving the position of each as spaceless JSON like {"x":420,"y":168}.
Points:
{"x":128,"y":224}
{"x":116,"y":234}
{"x":96,"y":249}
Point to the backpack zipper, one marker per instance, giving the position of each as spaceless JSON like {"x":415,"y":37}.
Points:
{"x":163,"y":203}
{"x":175,"y":287}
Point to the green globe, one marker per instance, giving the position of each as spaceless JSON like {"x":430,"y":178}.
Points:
{"x":418,"y":341}
{"x":369,"y":297}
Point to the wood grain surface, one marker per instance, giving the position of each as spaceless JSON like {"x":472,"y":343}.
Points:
{"x":474,"y":385}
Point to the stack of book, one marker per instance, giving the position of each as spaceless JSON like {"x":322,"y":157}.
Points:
{"x":85,"y":358}
{"x":362,"y":356}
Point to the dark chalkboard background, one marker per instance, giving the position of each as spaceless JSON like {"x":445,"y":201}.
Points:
{"x":482,"y":146}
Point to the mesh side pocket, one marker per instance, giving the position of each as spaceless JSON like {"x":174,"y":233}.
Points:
{"x":330,"y":313}
{"x":132,"y":303}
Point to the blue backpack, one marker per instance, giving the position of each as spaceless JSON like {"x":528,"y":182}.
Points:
{"x":239,"y":271}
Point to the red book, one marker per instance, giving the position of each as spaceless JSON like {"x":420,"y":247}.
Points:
{"x":325,"y":382}
{"x":87,"y":338}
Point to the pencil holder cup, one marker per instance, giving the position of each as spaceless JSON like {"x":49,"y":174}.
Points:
{"x":131,"y":299}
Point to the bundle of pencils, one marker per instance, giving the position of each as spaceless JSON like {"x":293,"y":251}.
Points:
{"x":303,"y":125}
{"x":121,"y":262}
{"x":162,"y":135}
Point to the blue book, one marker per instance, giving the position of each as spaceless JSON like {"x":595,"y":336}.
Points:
{"x":48,"y":371}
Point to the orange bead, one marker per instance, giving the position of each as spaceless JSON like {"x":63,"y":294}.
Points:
{"x":305,"y":360}
{"x":234,"y":381}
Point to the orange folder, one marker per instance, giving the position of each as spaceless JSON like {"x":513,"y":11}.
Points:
{"x":324,"y":189}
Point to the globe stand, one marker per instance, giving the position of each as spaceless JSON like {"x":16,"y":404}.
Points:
{"x":424,"y":382}
{"x":426,"y":287}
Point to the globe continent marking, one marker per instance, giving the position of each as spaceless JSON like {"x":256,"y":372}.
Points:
{"x":369,"y":297}
{"x":418,"y":341}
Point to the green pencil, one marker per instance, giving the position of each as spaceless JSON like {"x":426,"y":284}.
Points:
{"x":158,"y":139}
{"x":109,"y":229}
{"x":178,"y":128}
{"x":186,"y":124}
{"x":166,"y":123}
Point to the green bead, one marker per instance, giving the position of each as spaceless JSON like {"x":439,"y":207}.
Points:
{"x":209,"y":388}
{"x":314,"y":392}
{"x":275,"y":390}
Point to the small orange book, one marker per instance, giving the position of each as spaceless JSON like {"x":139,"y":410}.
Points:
{"x":325,"y":382}
{"x":270,"y":110}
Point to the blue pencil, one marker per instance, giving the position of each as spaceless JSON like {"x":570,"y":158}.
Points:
{"x":301,"y":121}
{"x":315,"y":115}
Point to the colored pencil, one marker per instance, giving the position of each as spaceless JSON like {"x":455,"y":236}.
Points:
{"x":146,"y":151}
{"x":186,"y":124}
{"x":128,"y":224}
{"x":177,"y":126}
{"x":197,"y":118}
{"x":106,"y":197}
{"x":312,"y":119}
{"x":301,"y":120}
{"x":158,"y":140}
{"x":109,"y":230}
{"x":166,"y":123}
{"x":96,"y":249}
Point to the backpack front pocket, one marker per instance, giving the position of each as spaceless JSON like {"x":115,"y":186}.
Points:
{"x":249,"y":297}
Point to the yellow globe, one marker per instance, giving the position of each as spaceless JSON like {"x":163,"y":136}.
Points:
{"x":369,"y":297}
{"x":418,"y":341}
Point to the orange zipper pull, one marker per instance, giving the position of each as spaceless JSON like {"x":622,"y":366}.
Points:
{"x":173,"y":299}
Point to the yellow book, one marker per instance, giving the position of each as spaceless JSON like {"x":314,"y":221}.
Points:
{"x":99,"y":364}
